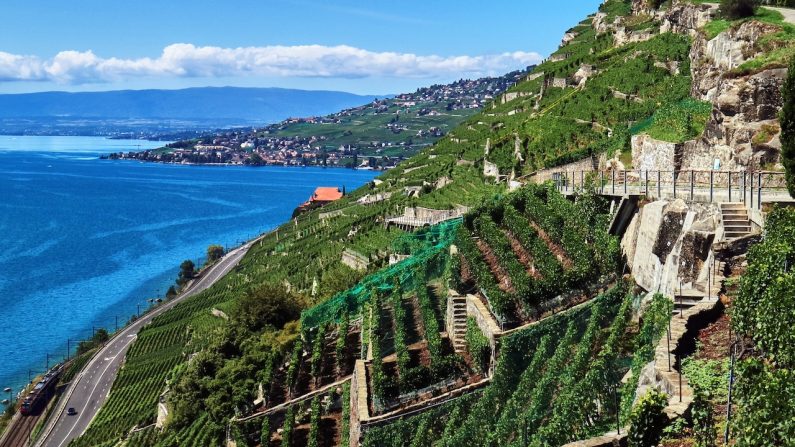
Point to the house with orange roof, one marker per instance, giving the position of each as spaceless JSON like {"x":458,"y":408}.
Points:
{"x":323,"y":195}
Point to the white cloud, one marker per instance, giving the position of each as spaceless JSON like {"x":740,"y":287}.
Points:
{"x":186,"y":60}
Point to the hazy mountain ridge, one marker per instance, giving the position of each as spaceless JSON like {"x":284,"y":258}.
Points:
{"x":106,"y":113}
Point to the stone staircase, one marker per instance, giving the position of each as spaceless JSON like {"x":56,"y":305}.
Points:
{"x":735,"y":220}
{"x":458,"y":335}
{"x":688,"y":298}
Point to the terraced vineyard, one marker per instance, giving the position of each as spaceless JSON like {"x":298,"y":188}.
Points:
{"x":535,"y":395}
{"x":521,"y":252}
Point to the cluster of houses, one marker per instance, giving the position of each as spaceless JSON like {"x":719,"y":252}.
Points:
{"x":283,"y":145}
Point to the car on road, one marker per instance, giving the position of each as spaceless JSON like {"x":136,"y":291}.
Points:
{"x":71,"y":411}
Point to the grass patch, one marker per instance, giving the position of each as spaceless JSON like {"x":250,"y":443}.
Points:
{"x":679,"y":122}
{"x":715,"y":27}
{"x":765,"y":134}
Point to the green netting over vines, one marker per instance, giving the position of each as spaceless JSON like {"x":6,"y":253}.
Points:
{"x":427,"y":254}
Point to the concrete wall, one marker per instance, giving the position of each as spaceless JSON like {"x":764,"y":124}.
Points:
{"x":649,"y":154}
{"x":486,"y":323}
{"x":355,"y":260}
{"x":359,"y":410}
{"x":586,"y":164}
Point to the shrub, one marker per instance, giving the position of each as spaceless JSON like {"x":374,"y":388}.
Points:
{"x":737,"y":9}
{"x":478,"y":346}
{"x":703,"y":422}
{"x":647,"y":420}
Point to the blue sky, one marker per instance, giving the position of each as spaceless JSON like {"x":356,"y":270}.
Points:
{"x":364,"y":47}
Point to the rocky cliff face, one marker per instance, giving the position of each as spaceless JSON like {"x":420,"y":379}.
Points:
{"x":743,"y":105}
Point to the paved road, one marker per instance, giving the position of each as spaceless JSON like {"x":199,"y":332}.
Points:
{"x":789,"y":14}
{"x":91,"y":387}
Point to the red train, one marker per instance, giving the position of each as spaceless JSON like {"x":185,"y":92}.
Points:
{"x":41,"y":393}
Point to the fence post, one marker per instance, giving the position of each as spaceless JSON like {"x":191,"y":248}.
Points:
{"x":614,"y":181}
{"x":582,"y":180}
{"x":759,"y":196}
{"x":625,"y":182}
{"x":601,"y":182}
{"x":659,"y":180}
{"x":711,"y":184}
{"x":743,"y":186}
{"x":751,"y":188}
{"x":673,"y":178}
{"x":730,"y":185}
{"x":692,"y":183}
{"x":646,"y":191}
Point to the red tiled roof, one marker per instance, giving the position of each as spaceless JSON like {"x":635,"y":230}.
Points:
{"x":326,"y":194}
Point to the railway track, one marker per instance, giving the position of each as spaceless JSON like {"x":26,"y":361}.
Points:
{"x":18,"y":432}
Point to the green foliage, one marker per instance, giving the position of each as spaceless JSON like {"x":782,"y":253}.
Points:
{"x":266,"y":305}
{"x":345,"y":426}
{"x":766,"y":405}
{"x":431,"y":256}
{"x":214,"y":253}
{"x":187,"y":270}
{"x":265,"y":431}
{"x":765,"y":307}
{"x":340,"y":351}
{"x":318,"y":344}
{"x":537,"y":377}
{"x":314,"y":422}
{"x":704,"y":430}
{"x":709,"y":376}
{"x":655,"y":322}
{"x":647,"y":420}
{"x":539,"y":220}
{"x":99,"y":337}
{"x":787,"y":121}
{"x":679,"y":122}
{"x":478,"y":345}
{"x":764,"y":311}
{"x":289,"y":426}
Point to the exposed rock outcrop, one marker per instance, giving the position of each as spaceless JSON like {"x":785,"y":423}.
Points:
{"x":686,"y":18}
{"x":668,"y":241}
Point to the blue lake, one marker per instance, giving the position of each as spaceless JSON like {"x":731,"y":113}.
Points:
{"x":86,"y":240}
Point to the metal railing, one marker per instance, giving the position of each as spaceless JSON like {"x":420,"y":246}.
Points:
{"x":750,"y":187}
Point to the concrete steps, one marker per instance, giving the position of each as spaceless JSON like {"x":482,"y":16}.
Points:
{"x":735,"y":220}
{"x":459,"y":312}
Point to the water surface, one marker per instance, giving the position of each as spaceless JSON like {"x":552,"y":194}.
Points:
{"x":86,"y":240}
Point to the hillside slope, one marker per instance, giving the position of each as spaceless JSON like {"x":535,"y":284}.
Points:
{"x":625,"y":74}
{"x":380,"y":133}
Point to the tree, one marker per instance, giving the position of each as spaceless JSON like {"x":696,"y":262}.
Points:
{"x":214,"y":253}
{"x":171,"y":292}
{"x":267,"y":305}
{"x":787,"y":119}
{"x":737,"y":9}
{"x":187,"y":270}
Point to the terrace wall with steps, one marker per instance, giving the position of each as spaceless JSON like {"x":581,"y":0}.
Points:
{"x":456,"y":320}
{"x":735,"y":219}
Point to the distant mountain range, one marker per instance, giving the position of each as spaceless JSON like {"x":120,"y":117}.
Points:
{"x":108,"y":113}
